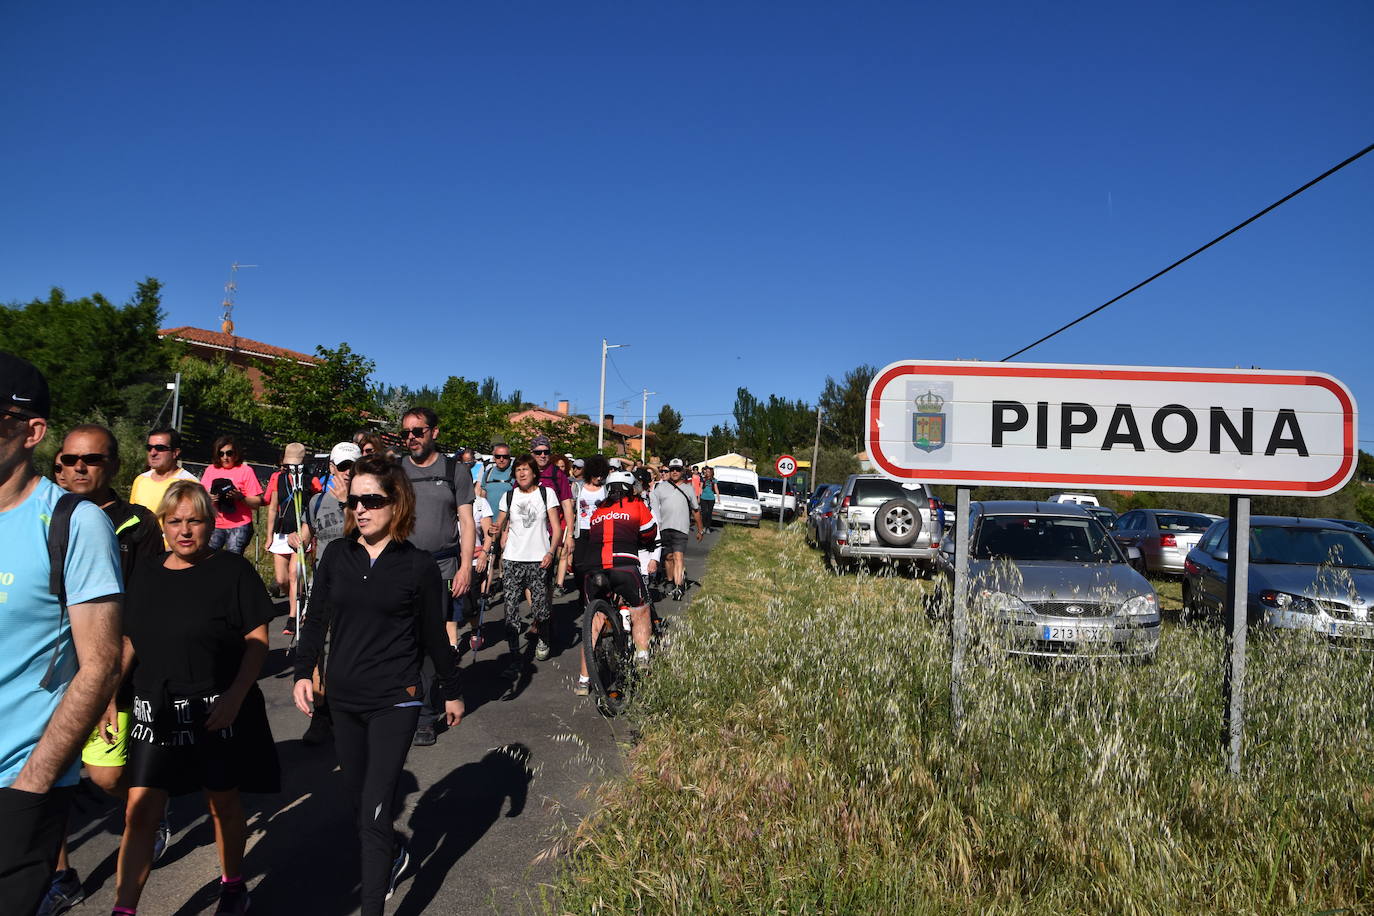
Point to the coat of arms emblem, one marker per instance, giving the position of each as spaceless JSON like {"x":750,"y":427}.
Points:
{"x":929,"y":425}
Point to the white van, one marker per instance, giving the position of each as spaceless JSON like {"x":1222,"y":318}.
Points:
{"x":777,"y":496}
{"x":737,"y":497}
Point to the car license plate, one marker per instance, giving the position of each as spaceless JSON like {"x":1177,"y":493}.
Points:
{"x":734,"y":515}
{"x":1076,"y":634}
{"x":1353,"y":630}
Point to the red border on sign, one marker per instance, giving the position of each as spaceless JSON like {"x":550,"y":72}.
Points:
{"x":1137,"y":375}
{"x":779,"y":461}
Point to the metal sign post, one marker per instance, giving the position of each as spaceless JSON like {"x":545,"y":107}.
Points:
{"x":1237,"y":616}
{"x":959,"y":623}
{"x":787,"y":466}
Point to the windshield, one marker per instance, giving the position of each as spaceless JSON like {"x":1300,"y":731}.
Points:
{"x":1314,"y":546}
{"x":730,"y":488}
{"x":1177,"y":522}
{"x":1045,"y":538}
{"x":875,"y":492}
{"x":770,"y":485}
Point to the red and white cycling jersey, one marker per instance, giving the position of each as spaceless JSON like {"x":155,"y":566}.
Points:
{"x":618,"y":532}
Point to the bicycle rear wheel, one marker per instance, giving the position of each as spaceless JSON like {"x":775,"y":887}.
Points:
{"x":608,"y":657}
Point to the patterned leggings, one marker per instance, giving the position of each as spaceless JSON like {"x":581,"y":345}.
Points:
{"x":520,"y":576}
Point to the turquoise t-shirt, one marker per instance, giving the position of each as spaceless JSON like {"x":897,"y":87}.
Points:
{"x":29,"y":615}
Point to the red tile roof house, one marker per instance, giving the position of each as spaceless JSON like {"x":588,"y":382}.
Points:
{"x":239,"y":351}
{"x":623,"y":437}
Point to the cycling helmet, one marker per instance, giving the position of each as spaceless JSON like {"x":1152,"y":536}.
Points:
{"x":621,"y":477}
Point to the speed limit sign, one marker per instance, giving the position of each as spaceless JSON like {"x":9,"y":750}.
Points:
{"x":787,"y":466}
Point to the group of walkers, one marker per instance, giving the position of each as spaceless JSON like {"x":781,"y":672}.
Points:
{"x":135,"y":632}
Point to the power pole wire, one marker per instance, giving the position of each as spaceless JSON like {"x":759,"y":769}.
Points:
{"x":1283,"y":200}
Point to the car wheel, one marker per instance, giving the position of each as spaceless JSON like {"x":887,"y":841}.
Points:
{"x":834,"y":563}
{"x":897,"y":522}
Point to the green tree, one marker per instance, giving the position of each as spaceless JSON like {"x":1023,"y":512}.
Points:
{"x":466,"y":417}
{"x":216,"y":387}
{"x":99,"y":358}
{"x":567,"y":435}
{"x":834,"y":464}
{"x":320,"y":404}
{"x":669,"y":441}
{"x":843,"y":406}
{"x":771,"y":427}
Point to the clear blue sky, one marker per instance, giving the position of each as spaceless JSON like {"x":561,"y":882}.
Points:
{"x":754,"y":195}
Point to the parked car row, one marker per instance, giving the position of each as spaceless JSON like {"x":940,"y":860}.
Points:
{"x":1070,"y":576}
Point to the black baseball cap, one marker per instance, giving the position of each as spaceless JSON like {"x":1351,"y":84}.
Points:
{"x":22,"y":386}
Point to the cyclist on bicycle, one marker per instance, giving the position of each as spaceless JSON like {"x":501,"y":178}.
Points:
{"x":620,"y":527}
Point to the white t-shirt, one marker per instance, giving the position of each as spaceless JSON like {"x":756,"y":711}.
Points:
{"x":528,"y":523}
{"x":480,"y":509}
{"x":587,"y":501}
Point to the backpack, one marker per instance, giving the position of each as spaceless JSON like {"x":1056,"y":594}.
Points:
{"x":486,"y":475}
{"x":59,"y":537}
{"x":447,"y":477}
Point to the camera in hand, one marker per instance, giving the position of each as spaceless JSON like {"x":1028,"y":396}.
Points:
{"x":220,"y":488}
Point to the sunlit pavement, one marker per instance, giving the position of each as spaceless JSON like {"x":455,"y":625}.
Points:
{"x":485,"y":807}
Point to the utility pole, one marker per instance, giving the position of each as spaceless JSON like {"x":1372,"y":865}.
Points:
{"x":176,"y":403}
{"x":601,"y":412}
{"x":816,"y":451}
{"x":643,"y":423}
{"x":706,"y":448}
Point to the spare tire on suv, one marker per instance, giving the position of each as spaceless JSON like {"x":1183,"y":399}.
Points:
{"x":897,"y":522}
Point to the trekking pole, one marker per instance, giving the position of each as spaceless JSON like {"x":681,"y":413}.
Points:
{"x":476,"y":642}
{"x":296,"y":475}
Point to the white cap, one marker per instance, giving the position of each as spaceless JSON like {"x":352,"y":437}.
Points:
{"x":675,"y":463}
{"x":344,"y":451}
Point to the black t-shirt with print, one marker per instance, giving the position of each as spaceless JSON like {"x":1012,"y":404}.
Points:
{"x":187,"y":625}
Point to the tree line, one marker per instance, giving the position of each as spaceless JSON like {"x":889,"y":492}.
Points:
{"x":105,"y":363}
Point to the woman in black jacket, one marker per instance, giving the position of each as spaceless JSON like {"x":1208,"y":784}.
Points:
{"x":382,"y":601}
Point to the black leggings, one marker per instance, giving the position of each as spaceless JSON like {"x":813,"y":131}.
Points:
{"x":708,"y":506}
{"x":372,"y":748}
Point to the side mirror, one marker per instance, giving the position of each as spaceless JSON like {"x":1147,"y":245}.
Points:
{"x":1222,"y":553}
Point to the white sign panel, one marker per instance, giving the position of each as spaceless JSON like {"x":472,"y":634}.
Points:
{"x":1112,"y":427}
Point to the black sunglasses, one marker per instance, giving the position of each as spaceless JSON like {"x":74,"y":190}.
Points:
{"x":92,"y":458}
{"x":540,"y":451}
{"x":501,"y":457}
{"x":415,"y":432}
{"x":344,"y":466}
{"x":368,"y":500}
{"x":227,"y":453}
{"x":158,"y":447}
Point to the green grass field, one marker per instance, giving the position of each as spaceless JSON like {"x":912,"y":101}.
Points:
{"x":795,"y":755}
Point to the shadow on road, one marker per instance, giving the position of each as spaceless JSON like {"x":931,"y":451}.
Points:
{"x":456,"y":812}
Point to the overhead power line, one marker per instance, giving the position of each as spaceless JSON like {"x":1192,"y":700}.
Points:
{"x":1234,"y":229}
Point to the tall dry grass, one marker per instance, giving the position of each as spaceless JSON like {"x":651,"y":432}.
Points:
{"x":795,"y":755}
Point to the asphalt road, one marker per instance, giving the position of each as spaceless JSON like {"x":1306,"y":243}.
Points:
{"x":485,"y":807}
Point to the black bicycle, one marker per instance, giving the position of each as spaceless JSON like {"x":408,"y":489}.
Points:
{"x":608,"y":646}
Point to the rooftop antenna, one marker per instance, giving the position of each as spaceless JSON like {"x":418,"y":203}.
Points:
{"x":227,"y":319}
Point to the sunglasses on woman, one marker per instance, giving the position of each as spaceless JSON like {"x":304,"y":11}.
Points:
{"x":226,"y":453}
{"x":368,"y":500}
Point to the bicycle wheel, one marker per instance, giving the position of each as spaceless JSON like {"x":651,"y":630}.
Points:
{"x":608,"y":657}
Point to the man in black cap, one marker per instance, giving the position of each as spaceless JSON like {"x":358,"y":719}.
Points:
{"x":51,"y":691}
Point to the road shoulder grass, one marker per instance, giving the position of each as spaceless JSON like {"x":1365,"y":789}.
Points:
{"x":795,"y":755}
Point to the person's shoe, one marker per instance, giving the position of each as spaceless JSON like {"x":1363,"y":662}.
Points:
{"x":162,"y":839}
{"x":677,"y":593}
{"x":64,"y":893}
{"x":424,"y":736}
{"x":233,"y":899}
{"x":289,"y":628}
{"x":398,"y":868}
{"x":582,"y":687}
{"x":542,"y":649}
{"x":321,"y":729}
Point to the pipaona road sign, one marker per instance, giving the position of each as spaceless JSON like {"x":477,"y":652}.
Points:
{"x":1112,"y":427}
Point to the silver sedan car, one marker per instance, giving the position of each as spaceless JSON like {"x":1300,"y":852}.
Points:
{"x":1049,"y":579}
{"x":1163,"y":537}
